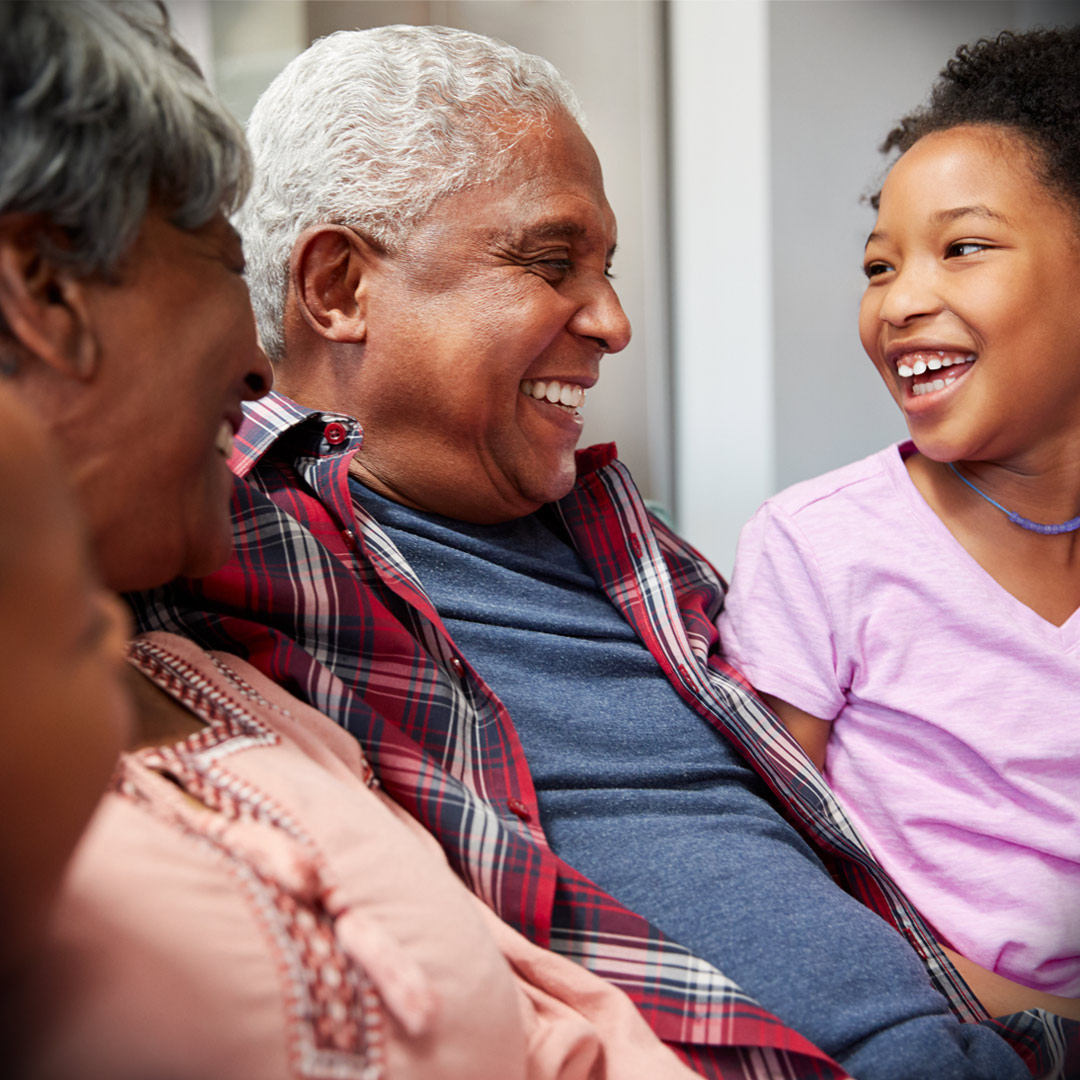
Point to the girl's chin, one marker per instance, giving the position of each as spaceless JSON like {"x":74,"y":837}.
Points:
{"x":936,"y":445}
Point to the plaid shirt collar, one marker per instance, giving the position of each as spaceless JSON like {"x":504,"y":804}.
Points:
{"x":270,"y":420}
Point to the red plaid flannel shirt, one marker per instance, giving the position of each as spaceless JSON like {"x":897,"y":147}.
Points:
{"x":318,"y":598}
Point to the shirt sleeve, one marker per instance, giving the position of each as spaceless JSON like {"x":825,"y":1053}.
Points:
{"x":776,"y":626}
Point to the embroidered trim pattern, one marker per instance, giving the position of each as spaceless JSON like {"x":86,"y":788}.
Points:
{"x":335,"y":1013}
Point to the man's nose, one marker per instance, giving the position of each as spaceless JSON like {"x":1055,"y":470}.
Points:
{"x":601,"y":317}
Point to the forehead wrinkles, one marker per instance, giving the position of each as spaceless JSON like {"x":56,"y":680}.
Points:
{"x":552,"y":190}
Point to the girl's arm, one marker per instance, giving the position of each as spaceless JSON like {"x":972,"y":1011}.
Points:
{"x":1001,"y":996}
{"x":811,"y":732}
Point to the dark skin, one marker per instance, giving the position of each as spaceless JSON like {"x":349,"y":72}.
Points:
{"x":159,"y":719}
{"x":1042,"y":572}
{"x":501,"y":286}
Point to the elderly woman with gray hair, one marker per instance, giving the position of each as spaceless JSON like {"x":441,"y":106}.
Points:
{"x":243,"y":902}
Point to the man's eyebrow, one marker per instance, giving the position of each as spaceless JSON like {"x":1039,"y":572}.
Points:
{"x":543,"y":231}
{"x":546,"y":232}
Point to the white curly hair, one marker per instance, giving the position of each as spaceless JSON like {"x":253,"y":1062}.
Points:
{"x":368,"y":128}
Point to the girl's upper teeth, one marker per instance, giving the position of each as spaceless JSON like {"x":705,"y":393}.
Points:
{"x":919,"y":363}
{"x":558,"y":393}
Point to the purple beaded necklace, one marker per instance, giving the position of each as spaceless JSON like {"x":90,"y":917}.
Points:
{"x":1018,"y":519}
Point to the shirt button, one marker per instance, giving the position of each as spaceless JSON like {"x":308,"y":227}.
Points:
{"x":519,"y":809}
{"x":458,"y":666}
{"x":334,"y":433}
{"x":635,"y":545}
{"x":350,"y":538}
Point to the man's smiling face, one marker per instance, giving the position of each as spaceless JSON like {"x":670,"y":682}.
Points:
{"x":483,"y":333}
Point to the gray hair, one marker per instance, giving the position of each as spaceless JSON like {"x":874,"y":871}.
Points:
{"x":369,"y":128}
{"x":103,"y":113}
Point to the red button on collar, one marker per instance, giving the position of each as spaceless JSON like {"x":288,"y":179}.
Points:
{"x":335,"y":433}
{"x":519,"y":809}
{"x":457,"y":665}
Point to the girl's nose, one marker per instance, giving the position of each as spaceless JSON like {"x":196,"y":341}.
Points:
{"x":910,"y":295}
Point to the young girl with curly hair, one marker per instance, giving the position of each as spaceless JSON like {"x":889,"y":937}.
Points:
{"x":913,"y":617}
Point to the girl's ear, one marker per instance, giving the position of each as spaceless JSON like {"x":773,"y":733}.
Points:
{"x":330,"y":275}
{"x":43,"y":305}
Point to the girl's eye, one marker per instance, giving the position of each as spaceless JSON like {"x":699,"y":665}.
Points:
{"x":964,"y":247}
{"x":875,"y":269}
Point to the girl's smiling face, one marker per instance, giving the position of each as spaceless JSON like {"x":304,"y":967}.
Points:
{"x":972,"y":306}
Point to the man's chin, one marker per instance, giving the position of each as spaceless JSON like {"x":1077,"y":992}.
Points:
{"x":556,"y":485}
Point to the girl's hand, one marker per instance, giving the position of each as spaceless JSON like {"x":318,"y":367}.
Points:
{"x":1001,"y":996}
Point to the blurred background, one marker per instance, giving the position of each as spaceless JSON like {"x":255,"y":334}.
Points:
{"x":738,"y":140}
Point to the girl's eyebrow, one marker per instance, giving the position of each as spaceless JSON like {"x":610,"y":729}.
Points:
{"x":943,"y":217}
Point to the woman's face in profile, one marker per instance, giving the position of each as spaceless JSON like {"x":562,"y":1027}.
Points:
{"x":151,"y":435}
{"x":65,"y":713}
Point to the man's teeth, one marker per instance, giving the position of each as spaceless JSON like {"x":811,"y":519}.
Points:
{"x":931,"y":363}
{"x":224,"y":441}
{"x":558,"y":393}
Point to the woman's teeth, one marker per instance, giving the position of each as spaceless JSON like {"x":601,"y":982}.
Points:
{"x":571,"y":395}
{"x":224,"y":441}
{"x":931,"y":362}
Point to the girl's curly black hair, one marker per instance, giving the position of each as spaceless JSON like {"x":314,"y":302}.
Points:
{"x":1027,"y":82}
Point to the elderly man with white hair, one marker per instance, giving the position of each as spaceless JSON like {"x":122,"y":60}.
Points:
{"x":528,"y":658}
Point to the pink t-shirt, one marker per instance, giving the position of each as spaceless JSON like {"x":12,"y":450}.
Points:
{"x":956,"y":744}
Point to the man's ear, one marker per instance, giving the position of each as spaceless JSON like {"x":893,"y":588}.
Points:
{"x":330,"y":270}
{"x":44,"y":304}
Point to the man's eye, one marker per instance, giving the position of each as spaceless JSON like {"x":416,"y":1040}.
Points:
{"x":553,"y":271}
{"x":876,"y":269}
{"x":964,"y":247}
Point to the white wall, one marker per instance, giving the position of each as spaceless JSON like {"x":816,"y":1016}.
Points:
{"x":721,"y":309}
